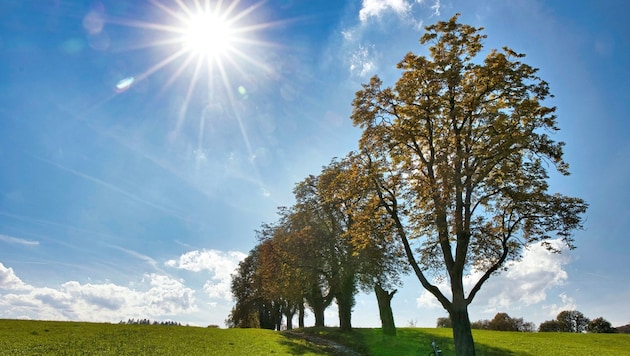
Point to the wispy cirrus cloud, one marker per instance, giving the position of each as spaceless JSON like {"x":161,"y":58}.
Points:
{"x":17,"y":240}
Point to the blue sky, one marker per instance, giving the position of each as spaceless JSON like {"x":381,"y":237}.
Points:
{"x":133,"y":178}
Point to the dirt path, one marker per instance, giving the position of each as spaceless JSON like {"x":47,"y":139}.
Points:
{"x":336,"y":347}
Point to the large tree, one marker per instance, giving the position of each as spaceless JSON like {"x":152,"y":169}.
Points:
{"x":459,"y":150}
{"x":573,"y":321}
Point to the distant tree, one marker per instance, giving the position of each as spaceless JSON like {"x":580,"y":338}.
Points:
{"x":528,"y":327}
{"x":551,"y":326}
{"x":444,"y":322}
{"x":503,"y":322}
{"x":460,"y":152}
{"x":600,"y":325}
{"x":573,"y":321}
{"x":480,"y":324}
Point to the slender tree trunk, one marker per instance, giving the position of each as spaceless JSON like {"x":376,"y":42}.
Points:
{"x":289,"y":317}
{"x":289,"y":310}
{"x":384,"y":300}
{"x":462,"y":333}
{"x":301,"y":315}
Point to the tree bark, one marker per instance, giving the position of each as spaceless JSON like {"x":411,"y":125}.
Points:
{"x":462,"y":333}
{"x":384,"y":300}
{"x":318,"y":304}
{"x":318,"y":313}
{"x":344,"y":305}
{"x":345,"y":301}
{"x":289,"y":315}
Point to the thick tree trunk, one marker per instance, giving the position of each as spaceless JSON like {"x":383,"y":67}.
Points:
{"x":301,"y":315}
{"x":345,"y":301}
{"x":344,"y":306}
{"x":384,"y":300}
{"x":319,"y":316}
{"x":462,"y":333}
{"x":318,"y":304}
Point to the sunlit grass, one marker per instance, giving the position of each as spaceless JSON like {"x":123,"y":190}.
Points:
{"x":416,"y":341}
{"x":20,"y":337}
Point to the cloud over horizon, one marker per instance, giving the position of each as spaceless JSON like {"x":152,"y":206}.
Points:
{"x":219,"y":264}
{"x":525,"y":283}
{"x":155,"y":296}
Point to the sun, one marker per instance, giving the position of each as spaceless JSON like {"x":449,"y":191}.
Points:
{"x":208,"y":34}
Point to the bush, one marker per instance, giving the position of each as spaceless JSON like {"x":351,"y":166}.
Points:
{"x":551,"y":326}
{"x":503,"y":322}
{"x":444,"y":322}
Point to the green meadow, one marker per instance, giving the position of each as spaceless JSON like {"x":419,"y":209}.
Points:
{"x":21,"y":337}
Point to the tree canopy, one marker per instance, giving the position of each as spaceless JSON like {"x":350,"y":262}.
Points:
{"x":459,"y":150}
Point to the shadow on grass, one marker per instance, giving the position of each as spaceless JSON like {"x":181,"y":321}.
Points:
{"x":299,"y":345}
{"x":407,"y":342}
{"x":332,"y":340}
{"x":414,"y":341}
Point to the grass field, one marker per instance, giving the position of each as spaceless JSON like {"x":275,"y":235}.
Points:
{"x":20,"y":337}
{"x":416,"y":341}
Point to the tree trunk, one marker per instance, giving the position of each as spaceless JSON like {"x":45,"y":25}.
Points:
{"x":384,"y":300}
{"x":301,"y":315}
{"x":319,"y":316}
{"x":289,"y":321}
{"x":345,"y":302}
{"x":318,"y":304}
{"x":462,"y":333}
{"x":344,"y":306}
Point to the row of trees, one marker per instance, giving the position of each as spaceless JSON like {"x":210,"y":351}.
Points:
{"x":149,"y":322}
{"x":335,"y":241}
{"x":566,"y":321}
{"x":450,"y":175}
{"x":500,"y":322}
{"x":574,"y":321}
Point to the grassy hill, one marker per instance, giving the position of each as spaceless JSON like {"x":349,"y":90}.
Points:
{"x":20,"y":337}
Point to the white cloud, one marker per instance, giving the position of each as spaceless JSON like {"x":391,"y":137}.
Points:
{"x":158,"y":297}
{"x":375,"y":8}
{"x":568,"y":303}
{"x":526,"y":282}
{"x":9,"y":281}
{"x":220,"y":264}
{"x":404,"y":9}
{"x":436,"y":7}
{"x":16,"y":240}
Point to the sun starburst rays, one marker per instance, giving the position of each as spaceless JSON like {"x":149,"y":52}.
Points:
{"x":203,"y":41}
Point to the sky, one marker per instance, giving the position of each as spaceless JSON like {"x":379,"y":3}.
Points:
{"x":136,"y":162}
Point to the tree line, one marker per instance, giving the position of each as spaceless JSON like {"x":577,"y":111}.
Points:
{"x":573,"y":321}
{"x":566,"y":321}
{"x":450,"y":177}
{"x":335,"y":241}
{"x":133,"y":321}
